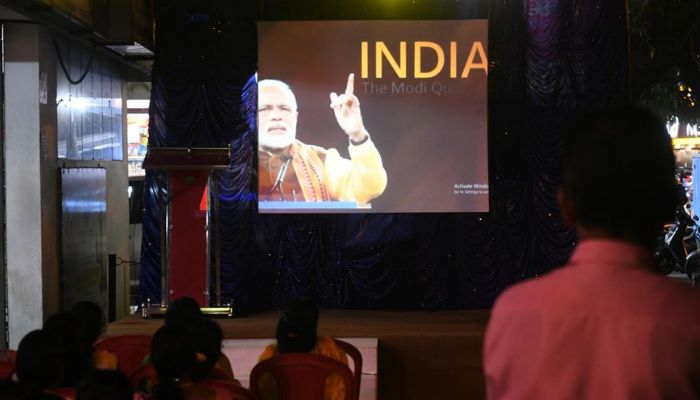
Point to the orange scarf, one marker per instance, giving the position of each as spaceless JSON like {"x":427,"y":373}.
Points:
{"x":310,"y":171}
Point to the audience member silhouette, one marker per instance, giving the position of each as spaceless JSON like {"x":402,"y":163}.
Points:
{"x":174,"y":357}
{"x":208,"y":338}
{"x":92,"y":321}
{"x":105,"y":385}
{"x":183,"y":313}
{"x":91,"y":318}
{"x":296,"y":333}
{"x":66,"y":333}
{"x":606,"y":325}
{"x":39,"y":364}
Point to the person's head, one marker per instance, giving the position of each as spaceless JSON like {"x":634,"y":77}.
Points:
{"x":90,"y":316}
{"x":173,"y":355}
{"x":296,"y":330}
{"x":183,"y":313}
{"x":67,"y":334}
{"x":39,"y":361}
{"x":618,"y":175}
{"x":277,"y":114}
{"x":207,"y":339}
{"x":107,"y":384}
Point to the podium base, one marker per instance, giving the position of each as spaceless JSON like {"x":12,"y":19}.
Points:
{"x":149,"y":310}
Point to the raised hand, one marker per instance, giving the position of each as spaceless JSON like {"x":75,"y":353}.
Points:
{"x":347,"y":111}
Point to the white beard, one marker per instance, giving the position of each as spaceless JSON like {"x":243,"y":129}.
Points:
{"x":276,"y":141}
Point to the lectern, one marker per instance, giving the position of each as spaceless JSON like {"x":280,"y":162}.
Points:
{"x":189,"y":225}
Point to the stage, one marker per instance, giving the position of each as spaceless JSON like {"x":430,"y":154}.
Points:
{"x":416,"y":355}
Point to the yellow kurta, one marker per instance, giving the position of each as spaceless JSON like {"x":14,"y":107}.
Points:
{"x":317,"y":174}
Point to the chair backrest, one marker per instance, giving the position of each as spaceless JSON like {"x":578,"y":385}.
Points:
{"x":301,"y":376}
{"x":8,"y":355}
{"x":7,"y":368}
{"x":228,"y":389}
{"x":65,"y":393}
{"x":7,"y":363}
{"x":356,"y":357}
{"x":129,"y":349}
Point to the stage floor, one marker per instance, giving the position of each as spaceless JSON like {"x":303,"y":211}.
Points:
{"x":419,"y":355}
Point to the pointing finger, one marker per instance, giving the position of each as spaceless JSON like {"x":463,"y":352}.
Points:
{"x":350,"y":88}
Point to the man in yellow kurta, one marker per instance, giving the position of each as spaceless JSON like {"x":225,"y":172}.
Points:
{"x":291,"y":170}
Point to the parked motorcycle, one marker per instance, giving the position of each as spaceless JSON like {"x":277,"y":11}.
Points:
{"x":678,"y":249}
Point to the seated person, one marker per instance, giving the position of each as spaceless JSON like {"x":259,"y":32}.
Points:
{"x":208,"y":338}
{"x":296,"y":333}
{"x":184,"y":314}
{"x":67,"y":335}
{"x":174,"y":357}
{"x":92,"y":320}
{"x":39,"y":365}
{"x":90,"y":316}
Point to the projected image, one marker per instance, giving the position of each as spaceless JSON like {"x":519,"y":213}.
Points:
{"x":316,"y":174}
{"x":372,"y":116}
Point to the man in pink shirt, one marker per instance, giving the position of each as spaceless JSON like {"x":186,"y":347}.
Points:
{"x":606,"y":325}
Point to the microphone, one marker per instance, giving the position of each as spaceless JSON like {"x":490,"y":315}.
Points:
{"x":280,"y":175}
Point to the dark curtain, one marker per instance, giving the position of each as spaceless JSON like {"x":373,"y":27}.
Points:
{"x":548,"y":60}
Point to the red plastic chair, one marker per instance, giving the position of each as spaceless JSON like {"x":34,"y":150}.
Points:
{"x":356,"y":358}
{"x":7,"y":368}
{"x":228,"y":390}
{"x":8,"y":355}
{"x":7,"y":363}
{"x":63,"y":392}
{"x":129,"y":349}
{"x":301,"y":376}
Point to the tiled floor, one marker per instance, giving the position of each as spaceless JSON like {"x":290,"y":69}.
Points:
{"x":244,"y":353}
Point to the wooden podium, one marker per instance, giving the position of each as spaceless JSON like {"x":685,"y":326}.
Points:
{"x":188,"y":225}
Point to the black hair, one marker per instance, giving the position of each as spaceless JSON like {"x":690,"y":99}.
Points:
{"x":207,"y":338}
{"x":91,"y":317}
{"x":105,"y":385}
{"x":173,"y":355}
{"x":183,"y":313}
{"x":296,"y":330}
{"x":67,"y":335}
{"x":39,"y":362}
{"x":618,"y":172}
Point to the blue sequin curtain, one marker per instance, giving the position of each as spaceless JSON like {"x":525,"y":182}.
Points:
{"x":548,"y":60}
